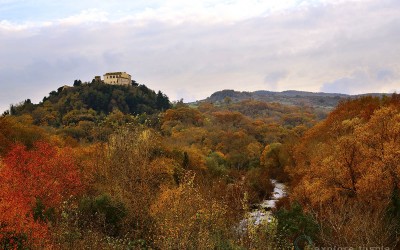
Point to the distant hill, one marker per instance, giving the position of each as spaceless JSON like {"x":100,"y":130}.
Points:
{"x":289,"y":97}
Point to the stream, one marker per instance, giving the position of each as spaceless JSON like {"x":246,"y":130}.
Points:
{"x":263,"y":211}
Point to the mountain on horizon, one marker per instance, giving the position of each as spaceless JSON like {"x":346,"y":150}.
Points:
{"x":288,"y":97}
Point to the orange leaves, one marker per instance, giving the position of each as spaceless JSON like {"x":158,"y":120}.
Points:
{"x":347,"y":172}
{"x":354,"y":153}
{"x":44,"y":173}
{"x":234,"y":118}
{"x":184,"y":115}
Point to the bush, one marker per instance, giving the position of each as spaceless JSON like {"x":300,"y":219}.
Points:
{"x":258,"y":183}
{"x":103,"y":213}
{"x":294,"y":222}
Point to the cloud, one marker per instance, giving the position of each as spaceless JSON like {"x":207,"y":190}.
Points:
{"x":191,"y":52}
{"x":86,"y":16}
{"x":348,"y":85}
{"x":171,"y":11}
{"x":272,"y":79}
{"x":362,"y":81}
{"x":275,"y":76}
{"x":384,"y":75}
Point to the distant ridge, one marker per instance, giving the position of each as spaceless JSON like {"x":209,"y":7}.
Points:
{"x":288,"y":97}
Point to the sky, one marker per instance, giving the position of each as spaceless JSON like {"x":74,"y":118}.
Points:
{"x":190,"y":49}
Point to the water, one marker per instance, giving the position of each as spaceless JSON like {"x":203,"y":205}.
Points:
{"x":263,"y":212}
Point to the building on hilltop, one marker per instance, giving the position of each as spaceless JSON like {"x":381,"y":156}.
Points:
{"x":97,"y":79}
{"x":116,"y":78}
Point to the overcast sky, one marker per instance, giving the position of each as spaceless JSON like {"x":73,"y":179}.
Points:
{"x":190,"y":49}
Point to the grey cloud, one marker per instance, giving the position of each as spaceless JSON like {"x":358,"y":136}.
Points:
{"x":384,"y":75}
{"x":347,"y":85}
{"x":272,"y":79}
{"x":275,"y":76}
{"x":360,"y":81}
{"x":317,"y":48}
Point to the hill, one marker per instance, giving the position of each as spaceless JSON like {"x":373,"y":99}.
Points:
{"x":90,"y":101}
{"x":320,"y":100}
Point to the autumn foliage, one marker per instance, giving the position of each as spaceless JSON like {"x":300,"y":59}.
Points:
{"x":347,"y":172}
{"x":94,"y":167}
{"x":34,"y":183}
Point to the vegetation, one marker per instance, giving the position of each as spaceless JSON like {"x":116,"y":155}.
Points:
{"x":90,"y":102}
{"x":351,"y":182}
{"x":117,"y":167}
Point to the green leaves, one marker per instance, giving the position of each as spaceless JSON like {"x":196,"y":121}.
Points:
{"x":103,"y":212}
{"x":294,"y":222}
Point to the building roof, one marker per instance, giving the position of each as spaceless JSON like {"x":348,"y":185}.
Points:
{"x":115,"y":73}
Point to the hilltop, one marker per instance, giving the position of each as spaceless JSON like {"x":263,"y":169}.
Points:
{"x":91,"y":102}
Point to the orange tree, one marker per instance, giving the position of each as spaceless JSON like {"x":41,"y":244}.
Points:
{"x":347,"y":172}
{"x":34,"y":183}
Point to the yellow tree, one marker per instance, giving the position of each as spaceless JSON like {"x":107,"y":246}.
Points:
{"x":186,"y":219}
{"x":131,"y":171}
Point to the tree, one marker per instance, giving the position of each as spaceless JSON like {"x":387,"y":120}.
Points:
{"x":162,"y":101}
{"x":227,"y":100}
{"x":34,"y":183}
{"x":183,"y":115}
{"x":130,"y":171}
{"x":186,"y":219}
{"x":77,"y":83}
{"x":349,"y":162}
{"x":294,"y":222}
{"x":18,"y":129}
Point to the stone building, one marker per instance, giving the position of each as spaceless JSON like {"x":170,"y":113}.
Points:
{"x":117,"y":78}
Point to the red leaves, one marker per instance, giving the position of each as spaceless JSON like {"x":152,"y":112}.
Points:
{"x":46,"y":173}
{"x":42,"y":173}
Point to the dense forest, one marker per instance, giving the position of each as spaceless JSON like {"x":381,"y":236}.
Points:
{"x":85,"y":101}
{"x":98,"y":166}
